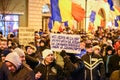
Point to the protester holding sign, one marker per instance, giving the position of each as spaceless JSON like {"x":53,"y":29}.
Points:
{"x":73,"y":66}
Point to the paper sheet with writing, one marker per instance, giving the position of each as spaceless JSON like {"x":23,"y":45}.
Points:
{"x":68,"y":42}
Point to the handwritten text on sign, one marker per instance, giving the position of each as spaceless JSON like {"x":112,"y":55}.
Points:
{"x":68,"y":42}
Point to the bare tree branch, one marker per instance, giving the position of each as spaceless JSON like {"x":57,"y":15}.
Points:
{"x":4,"y":5}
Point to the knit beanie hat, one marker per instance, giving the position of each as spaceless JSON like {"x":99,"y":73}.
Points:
{"x":19,"y":51}
{"x":46,"y":52}
{"x":14,"y":59}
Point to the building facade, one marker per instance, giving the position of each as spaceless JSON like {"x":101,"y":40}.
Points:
{"x":33,"y":15}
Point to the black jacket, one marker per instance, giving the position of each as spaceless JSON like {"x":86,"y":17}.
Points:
{"x":94,"y":67}
{"x":114,"y":63}
{"x":106,"y":62}
{"x":73,"y":68}
{"x":50,"y":72}
{"x":31,"y":61}
{"x":4,"y":72}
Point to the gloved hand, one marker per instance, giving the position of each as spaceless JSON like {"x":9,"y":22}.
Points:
{"x":63,"y":53}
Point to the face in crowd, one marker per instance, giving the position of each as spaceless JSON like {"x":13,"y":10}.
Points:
{"x":13,"y":61}
{"x":3,"y":44}
{"x":49,"y":59}
{"x":11,"y":67}
{"x":89,"y":48}
{"x":29,"y":50}
{"x":82,"y":45}
{"x":48,"y":56}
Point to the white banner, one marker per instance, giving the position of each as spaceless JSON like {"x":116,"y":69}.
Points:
{"x":68,"y":42}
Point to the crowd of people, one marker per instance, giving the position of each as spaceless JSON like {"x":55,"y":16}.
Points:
{"x":99,"y":57}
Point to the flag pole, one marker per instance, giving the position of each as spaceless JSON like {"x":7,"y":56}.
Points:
{"x":85,"y":14}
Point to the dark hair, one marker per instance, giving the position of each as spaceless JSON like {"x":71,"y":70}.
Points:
{"x":89,"y":45}
{"x":1,"y":33}
{"x":109,"y":48}
{"x":12,"y":35}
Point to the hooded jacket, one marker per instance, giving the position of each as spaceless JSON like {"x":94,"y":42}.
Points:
{"x":23,"y":73}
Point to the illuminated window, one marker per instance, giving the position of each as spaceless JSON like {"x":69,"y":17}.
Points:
{"x":9,"y":23}
{"x":45,"y":8}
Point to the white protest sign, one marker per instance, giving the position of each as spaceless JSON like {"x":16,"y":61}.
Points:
{"x":68,"y":42}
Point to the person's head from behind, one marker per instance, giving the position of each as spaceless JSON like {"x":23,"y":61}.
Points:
{"x":48,"y":56}
{"x":13,"y":61}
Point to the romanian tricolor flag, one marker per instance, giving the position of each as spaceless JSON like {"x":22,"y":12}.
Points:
{"x":116,"y":23}
{"x":50,"y":24}
{"x":105,"y":0}
{"x":65,"y":7}
{"x":97,"y":21}
{"x":116,"y":10}
{"x":65,"y":10}
{"x":92,"y":16}
{"x":61,"y":10}
{"x":110,"y":2}
{"x":78,"y":12}
{"x":55,"y":11}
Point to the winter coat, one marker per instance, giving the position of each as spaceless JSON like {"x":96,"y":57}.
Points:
{"x":50,"y":72}
{"x":106,"y":60}
{"x":4,"y":72}
{"x":114,"y":63}
{"x":23,"y":73}
{"x":94,"y":67}
{"x":31,"y":61}
{"x":73,"y":68}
